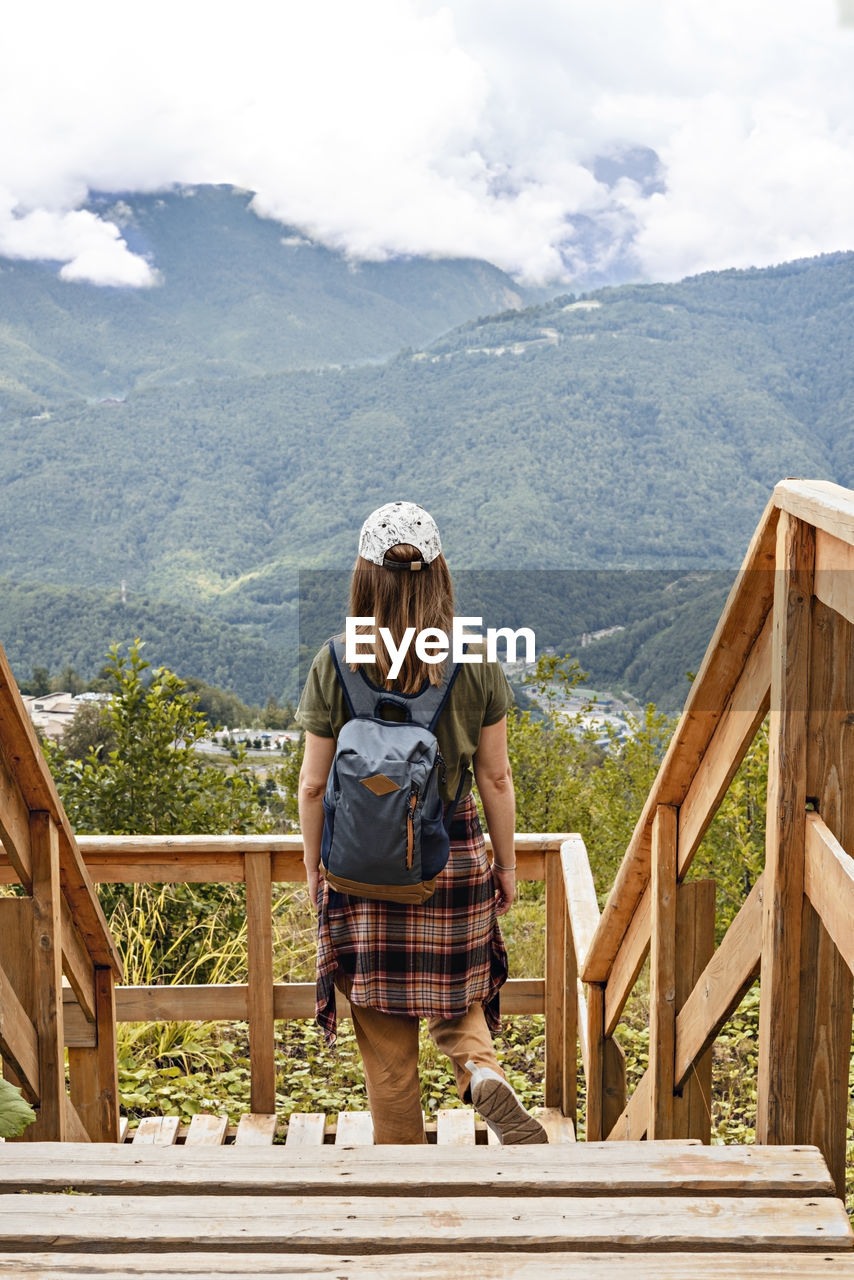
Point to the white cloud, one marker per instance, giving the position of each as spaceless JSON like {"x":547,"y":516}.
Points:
{"x":463,"y":128}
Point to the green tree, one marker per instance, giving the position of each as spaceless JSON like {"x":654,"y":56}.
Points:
{"x":153,"y":780}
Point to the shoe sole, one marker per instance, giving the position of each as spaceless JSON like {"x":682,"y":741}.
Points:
{"x":505,"y":1115}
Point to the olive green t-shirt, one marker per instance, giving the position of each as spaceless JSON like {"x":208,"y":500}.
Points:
{"x":480,"y":696}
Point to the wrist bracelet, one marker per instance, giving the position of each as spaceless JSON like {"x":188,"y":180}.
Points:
{"x":498,"y":866}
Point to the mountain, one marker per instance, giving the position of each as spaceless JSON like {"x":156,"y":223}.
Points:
{"x":639,"y":427}
{"x":237,"y":296}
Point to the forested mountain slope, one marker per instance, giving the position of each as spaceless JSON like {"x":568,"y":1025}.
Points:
{"x":642,"y":426}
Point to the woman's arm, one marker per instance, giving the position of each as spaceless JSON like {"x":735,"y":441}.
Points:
{"x":316,"y":763}
{"x":495,"y":783}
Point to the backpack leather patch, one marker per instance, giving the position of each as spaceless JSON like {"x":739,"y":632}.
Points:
{"x":379,"y":784}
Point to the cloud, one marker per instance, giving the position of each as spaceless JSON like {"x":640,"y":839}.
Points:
{"x":469,"y":128}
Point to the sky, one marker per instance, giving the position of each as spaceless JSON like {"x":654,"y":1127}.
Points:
{"x":561,"y":140}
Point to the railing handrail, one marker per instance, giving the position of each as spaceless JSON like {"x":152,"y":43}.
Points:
{"x":826,"y":506}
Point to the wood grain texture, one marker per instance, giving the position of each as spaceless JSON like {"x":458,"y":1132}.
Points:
{"x":306,"y":1129}
{"x":256,"y":1131}
{"x":156,"y":1131}
{"x":785,"y":831}
{"x":829,"y":884}
{"x":662,"y":973}
{"x":595,"y":1129}
{"x":259,"y":918}
{"x":821,"y":503}
{"x":77,"y":964}
{"x":229,"y":1001}
{"x":18,"y":1039}
{"x":14,"y":824}
{"x":354,"y":1129}
{"x":827,"y":987}
{"x":486,"y":1265}
{"x":721,"y":986}
{"x":834,"y":574}
{"x":556,"y":943}
{"x":47,"y":979}
{"x":584,"y":1168}
{"x":207,"y":1131}
{"x":695,"y":945}
{"x":455,"y":1126}
{"x":741,"y":622}
{"x":373,"y":1224}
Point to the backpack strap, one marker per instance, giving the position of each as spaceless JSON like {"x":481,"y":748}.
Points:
{"x":365,"y":700}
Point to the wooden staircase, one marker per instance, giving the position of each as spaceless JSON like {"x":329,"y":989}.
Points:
{"x":643,"y":1209}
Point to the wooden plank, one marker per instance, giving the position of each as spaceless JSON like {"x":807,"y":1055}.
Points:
{"x":78,"y":1032}
{"x":123,"y":1128}
{"x":256,"y":1131}
{"x":229,"y":1002}
{"x":206,"y":1131}
{"x":559,"y":1127}
{"x":555,"y":971}
{"x":614,"y":1083}
{"x":785,"y":831}
{"x":595,"y":1073}
{"x":414,"y":1223}
{"x":14,"y":823}
{"x":695,"y":946}
{"x":557,"y":1265}
{"x":18,"y":1039}
{"x":740,"y":624}
{"x":742,"y":715}
{"x":662,"y":973}
{"x":722,"y":985}
{"x":47,"y":979}
{"x":829,"y":884}
{"x":354,"y":1129}
{"x":629,"y":961}
{"x":583,"y":917}
{"x":821,"y":503}
{"x":75,"y":1130}
{"x":77,"y":964}
{"x":631,"y":1124}
{"x":834,"y":574}
{"x":157,"y":1131}
{"x":259,"y":918}
{"x":744,"y":712}
{"x":102,"y":1109}
{"x":642,"y":1168}
{"x":455,"y":1126}
{"x":306,"y":1129}
{"x":827,"y":988}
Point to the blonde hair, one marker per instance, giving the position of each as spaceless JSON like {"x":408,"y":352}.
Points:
{"x":400,"y":598}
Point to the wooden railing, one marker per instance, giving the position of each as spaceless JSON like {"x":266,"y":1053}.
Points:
{"x":784,"y":647}
{"x":260,"y":862}
{"x":52,"y":932}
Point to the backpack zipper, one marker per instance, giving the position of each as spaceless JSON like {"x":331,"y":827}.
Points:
{"x":410,"y":828}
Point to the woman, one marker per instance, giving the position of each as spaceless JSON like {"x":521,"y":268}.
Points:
{"x":443,"y":959}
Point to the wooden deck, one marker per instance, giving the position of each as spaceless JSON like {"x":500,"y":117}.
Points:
{"x":661,"y":1210}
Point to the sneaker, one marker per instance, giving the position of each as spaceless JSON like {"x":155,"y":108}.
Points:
{"x":497,"y":1102}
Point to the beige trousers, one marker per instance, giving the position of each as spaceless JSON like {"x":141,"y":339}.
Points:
{"x":388,"y":1043}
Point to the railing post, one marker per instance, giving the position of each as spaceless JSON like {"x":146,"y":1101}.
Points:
{"x":47,"y":980}
{"x":93,"y":1072}
{"x":555,"y":982}
{"x":695,"y":946}
{"x":259,"y":921}
{"x":662,"y":973}
{"x":785,"y":833}
{"x":827,"y":987}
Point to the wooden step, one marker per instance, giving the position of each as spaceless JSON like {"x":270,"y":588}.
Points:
{"x":416,"y":1223}
{"x":353,"y":1128}
{"x":428,"y":1266}
{"x":584,"y":1169}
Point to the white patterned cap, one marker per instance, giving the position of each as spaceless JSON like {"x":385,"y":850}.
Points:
{"x":399,"y":522}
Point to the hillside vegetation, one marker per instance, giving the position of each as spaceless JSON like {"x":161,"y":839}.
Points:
{"x":638,"y":427}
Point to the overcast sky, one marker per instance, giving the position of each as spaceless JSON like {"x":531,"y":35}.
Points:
{"x":464,"y":128}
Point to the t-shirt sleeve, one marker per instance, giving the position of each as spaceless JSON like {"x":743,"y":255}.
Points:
{"x":498,"y":694}
{"x":313,"y":712}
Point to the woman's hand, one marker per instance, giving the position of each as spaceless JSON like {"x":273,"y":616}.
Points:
{"x":505,"y":890}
